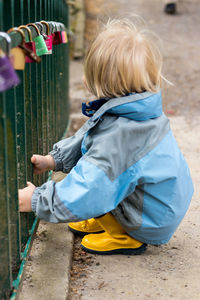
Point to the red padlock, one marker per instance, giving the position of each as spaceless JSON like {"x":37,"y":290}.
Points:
{"x":29,"y":45}
{"x":57,"y":36}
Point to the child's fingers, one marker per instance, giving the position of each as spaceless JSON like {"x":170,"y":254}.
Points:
{"x":36,"y":158}
{"x":33,"y":159}
{"x":29,"y":184}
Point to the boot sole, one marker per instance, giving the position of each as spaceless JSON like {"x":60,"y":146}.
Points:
{"x":128,"y":251}
{"x":82,"y":233}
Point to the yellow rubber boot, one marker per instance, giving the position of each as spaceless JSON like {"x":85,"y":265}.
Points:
{"x":84,"y":227}
{"x":114,"y":240}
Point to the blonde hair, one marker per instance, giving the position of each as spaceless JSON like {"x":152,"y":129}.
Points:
{"x":122,"y":59}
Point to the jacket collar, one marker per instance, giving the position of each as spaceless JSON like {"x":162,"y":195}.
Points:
{"x":138,"y":106}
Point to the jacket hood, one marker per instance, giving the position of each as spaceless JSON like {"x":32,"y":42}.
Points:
{"x":138,"y":106}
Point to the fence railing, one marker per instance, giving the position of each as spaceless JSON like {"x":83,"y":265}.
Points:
{"x":33,"y":116}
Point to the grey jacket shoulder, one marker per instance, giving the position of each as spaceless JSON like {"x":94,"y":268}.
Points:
{"x":116,"y":143}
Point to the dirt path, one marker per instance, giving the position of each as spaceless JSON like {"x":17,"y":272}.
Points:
{"x":171,"y":271}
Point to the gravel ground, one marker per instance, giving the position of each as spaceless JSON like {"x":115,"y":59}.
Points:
{"x":171,"y":271}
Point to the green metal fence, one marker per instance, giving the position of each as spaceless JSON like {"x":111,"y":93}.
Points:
{"x":33,"y":116}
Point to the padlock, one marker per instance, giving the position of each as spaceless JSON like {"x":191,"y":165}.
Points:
{"x":18,"y":54}
{"x":63,"y":33}
{"x":19,"y":58}
{"x":30,"y":54}
{"x":21,"y":52}
{"x":49,"y":39}
{"x":29,"y":47}
{"x":40,"y":44}
{"x":64,"y":37}
{"x":8,"y":76}
{"x":56,"y":36}
{"x":49,"y":43}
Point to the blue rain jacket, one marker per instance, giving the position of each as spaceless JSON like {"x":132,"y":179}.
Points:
{"x":124,"y":160}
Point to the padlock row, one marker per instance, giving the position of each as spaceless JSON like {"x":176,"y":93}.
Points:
{"x":36,"y":39}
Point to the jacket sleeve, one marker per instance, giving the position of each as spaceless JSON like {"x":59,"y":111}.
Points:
{"x":86,"y":192}
{"x":67,"y":152}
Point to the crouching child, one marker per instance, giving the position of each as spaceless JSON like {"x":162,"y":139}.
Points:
{"x":128,"y":184}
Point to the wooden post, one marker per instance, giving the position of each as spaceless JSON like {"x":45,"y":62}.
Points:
{"x":93,"y":10}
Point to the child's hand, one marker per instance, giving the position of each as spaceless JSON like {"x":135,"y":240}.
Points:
{"x":25,"y":196}
{"x":42,"y":163}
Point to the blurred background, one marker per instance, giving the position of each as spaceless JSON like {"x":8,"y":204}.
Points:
{"x":179,"y":34}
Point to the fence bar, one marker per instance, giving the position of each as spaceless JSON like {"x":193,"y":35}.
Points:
{"x":5,"y":245}
{"x":5,"y":249}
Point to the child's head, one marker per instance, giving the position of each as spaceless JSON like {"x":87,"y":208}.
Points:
{"x":122,"y":59}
